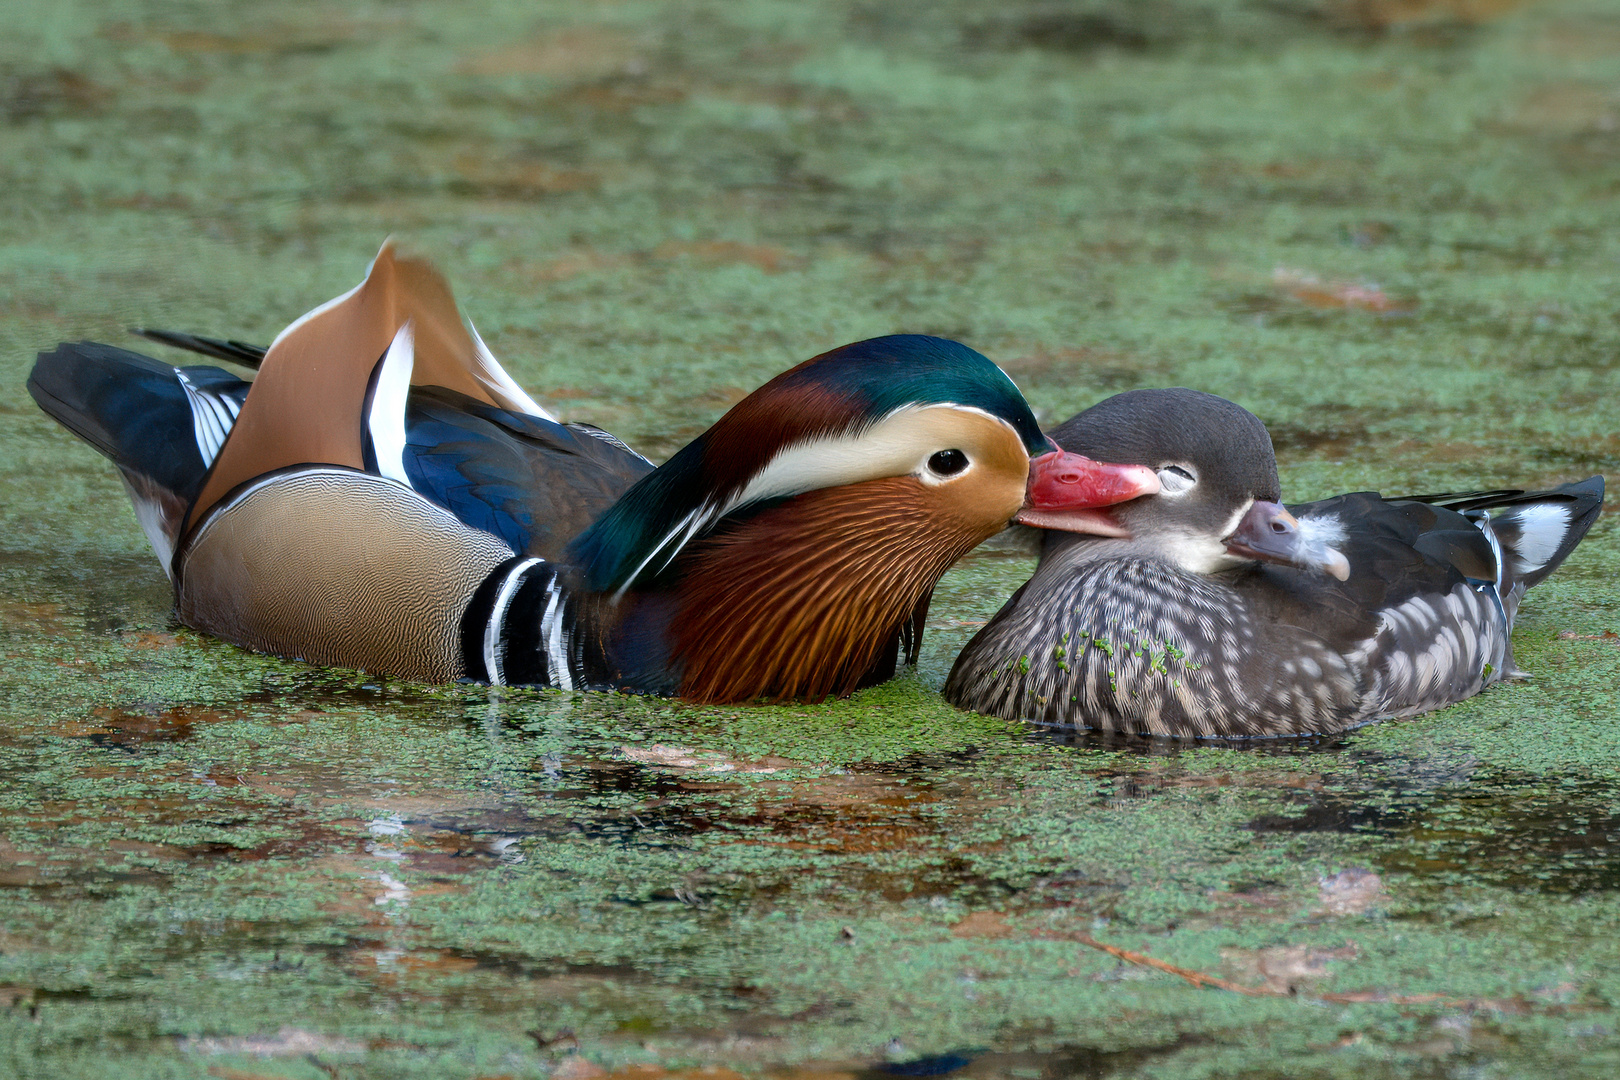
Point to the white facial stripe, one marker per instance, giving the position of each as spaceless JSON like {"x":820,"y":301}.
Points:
{"x":1542,"y":527}
{"x":898,"y":444}
{"x":1234,"y":521}
{"x":385,"y":421}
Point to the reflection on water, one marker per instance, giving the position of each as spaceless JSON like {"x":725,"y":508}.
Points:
{"x":651,"y":879}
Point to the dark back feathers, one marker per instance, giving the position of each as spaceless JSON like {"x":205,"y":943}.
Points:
{"x":131,"y":408}
{"x":534,"y":483}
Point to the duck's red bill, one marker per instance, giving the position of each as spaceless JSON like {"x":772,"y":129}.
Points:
{"x":1071,"y":492}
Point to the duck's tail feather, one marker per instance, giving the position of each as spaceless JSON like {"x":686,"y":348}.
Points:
{"x":161,"y":425}
{"x":229,"y":350}
{"x":1536,"y":529}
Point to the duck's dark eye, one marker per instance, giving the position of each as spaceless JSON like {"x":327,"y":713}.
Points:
{"x":947,"y":463}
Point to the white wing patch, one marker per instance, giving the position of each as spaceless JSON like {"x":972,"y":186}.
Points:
{"x":212,"y":417}
{"x":385,"y":420}
{"x":1542,"y":527}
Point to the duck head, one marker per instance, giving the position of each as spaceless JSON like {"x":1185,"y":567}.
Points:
{"x":1217,"y":506}
{"x":791,"y":542}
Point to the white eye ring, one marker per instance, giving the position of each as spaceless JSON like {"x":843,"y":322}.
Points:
{"x":1176,"y":480}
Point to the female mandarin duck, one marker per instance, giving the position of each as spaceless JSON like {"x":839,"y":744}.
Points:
{"x":384,"y":496}
{"x":1208,"y":610}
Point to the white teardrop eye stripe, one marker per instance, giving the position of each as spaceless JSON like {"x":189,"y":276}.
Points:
{"x":1542,"y":528}
{"x":212,"y":417}
{"x":896,"y":444}
{"x":385,"y":420}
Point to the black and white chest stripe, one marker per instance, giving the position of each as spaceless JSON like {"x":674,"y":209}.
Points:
{"x":518,"y":629}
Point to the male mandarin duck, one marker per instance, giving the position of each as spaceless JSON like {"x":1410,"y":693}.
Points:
{"x":384,"y":496}
{"x":1207,"y":610}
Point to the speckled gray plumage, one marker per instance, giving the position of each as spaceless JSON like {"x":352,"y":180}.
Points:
{"x":1137,"y":645}
{"x":1156,"y":633}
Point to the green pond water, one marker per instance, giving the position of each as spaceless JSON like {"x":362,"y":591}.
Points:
{"x":1389,"y":227}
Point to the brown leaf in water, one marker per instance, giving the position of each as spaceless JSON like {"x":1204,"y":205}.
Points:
{"x":150,"y":724}
{"x":659,"y":1072}
{"x":1351,"y":891}
{"x":622,"y":95}
{"x":1313,"y":291}
{"x":684,"y":757}
{"x":59,"y":91}
{"x":519,"y":179}
{"x":1379,"y":16}
{"x":569,"y":264}
{"x":578,"y":1068}
{"x":283,"y":38}
{"x":148,"y":639}
{"x":1580,"y":39}
{"x":389,"y":967}
{"x":289,"y":1041}
{"x":45,"y":618}
{"x":576,"y":53}
{"x":226,"y":1073}
{"x":1568,"y":108}
{"x":12,"y":996}
{"x":983,"y":924}
{"x":1285,"y":969}
{"x":768,"y":257}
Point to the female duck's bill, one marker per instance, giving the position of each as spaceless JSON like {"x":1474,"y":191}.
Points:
{"x":1207,"y":609}
{"x":385,"y":496}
